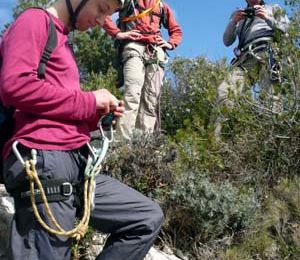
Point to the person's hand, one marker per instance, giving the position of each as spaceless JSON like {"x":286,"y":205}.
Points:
{"x":162,"y":43}
{"x":261,"y":12}
{"x":120,"y":109}
{"x":107,"y":102}
{"x":238,"y":16}
{"x":130,"y":35}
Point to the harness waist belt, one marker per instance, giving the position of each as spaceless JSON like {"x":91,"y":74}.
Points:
{"x":255,"y":45}
{"x":55,"y":190}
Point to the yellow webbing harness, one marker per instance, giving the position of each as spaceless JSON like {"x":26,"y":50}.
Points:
{"x":142,"y":14}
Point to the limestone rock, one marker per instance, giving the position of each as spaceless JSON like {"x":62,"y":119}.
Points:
{"x":6,"y":213}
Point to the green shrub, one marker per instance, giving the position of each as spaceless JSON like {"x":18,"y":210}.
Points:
{"x":143,"y":163}
{"x":213,"y":209}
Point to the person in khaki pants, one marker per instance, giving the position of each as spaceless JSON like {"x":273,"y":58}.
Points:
{"x":143,"y":58}
{"x":254,"y":26}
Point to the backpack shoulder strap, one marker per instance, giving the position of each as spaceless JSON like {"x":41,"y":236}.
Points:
{"x":50,"y":46}
{"x":163,"y":16}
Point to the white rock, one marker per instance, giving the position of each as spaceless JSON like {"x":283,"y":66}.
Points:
{"x":155,"y":254}
{"x":7,"y":205}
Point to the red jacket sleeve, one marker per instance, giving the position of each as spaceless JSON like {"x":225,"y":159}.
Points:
{"x":174,"y":29}
{"x":110,"y":27}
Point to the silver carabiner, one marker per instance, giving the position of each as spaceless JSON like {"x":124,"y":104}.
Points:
{"x":251,"y":52}
{"x":17,"y":153}
{"x":103,"y":135}
{"x":19,"y":156}
{"x":92,"y":150}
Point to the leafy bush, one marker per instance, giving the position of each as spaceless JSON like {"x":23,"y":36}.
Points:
{"x":143,"y":163}
{"x":213,"y":209}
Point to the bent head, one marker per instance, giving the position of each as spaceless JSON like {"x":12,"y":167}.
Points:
{"x":85,"y":14}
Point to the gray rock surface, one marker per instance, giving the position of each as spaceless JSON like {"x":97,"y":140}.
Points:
{"x":6,"y":213}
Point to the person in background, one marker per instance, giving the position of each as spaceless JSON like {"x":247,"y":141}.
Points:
{"x":142,"y":55}
{"x":255,"y":27}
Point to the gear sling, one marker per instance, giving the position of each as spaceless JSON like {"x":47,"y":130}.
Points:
{"x":6,"y":113}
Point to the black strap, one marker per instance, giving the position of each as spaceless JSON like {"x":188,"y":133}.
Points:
{"x":50,"y":46}
{"x":55,"y":190}
{"x":73,"y":15}
{"x":244,"y":32}
{"x":79,"y":7}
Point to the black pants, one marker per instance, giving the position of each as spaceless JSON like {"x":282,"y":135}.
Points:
{"x":132,"y":219}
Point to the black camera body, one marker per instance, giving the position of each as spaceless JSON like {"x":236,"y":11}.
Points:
{"x":250,"y":12}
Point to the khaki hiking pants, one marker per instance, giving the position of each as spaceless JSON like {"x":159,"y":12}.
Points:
{"x":143,"y":77}
{"x":235,"y":85}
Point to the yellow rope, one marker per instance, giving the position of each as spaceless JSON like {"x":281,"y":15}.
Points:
{"x":142,"y":14}
{"x":80,"y":230}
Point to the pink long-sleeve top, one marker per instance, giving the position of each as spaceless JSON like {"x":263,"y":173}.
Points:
{"x":51,"y":113}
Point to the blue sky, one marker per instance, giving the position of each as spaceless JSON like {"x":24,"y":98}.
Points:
{"x":203,"y":23}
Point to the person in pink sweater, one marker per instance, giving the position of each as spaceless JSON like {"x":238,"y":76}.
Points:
{"x":54,"y":116}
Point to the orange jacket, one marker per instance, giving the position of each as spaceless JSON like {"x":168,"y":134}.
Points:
{"x":149,"y":24}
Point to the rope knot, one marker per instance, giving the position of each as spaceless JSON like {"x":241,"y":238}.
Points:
{"x":80,"y":232}
{"x":30,"y":170}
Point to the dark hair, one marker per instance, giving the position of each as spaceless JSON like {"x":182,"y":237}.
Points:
{"x":262,"y":2}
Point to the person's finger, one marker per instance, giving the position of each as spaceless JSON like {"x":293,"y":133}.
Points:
{"x":120,"y":109}
{"x":114,"y":104}
{"x":118,"y":114}
{"x":103,"y":111}
{"x":121,"y":103}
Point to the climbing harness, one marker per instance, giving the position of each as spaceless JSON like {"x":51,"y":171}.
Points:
{"x":92,"y":169}
{"x":251,"y":50}
{"x":271,"y":59}
{"x":254,"y":50}
{"x":151,"y":51}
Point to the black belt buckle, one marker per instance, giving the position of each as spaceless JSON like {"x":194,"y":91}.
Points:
{"x":66,"y":189}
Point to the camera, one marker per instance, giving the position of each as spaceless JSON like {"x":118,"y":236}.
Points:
{"x":250,"y":12}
